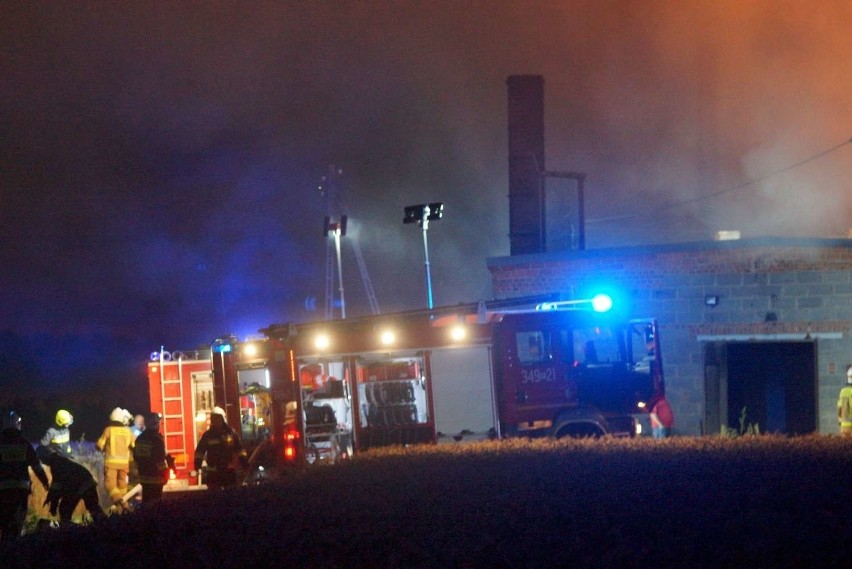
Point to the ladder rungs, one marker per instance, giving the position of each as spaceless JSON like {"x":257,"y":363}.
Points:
{"x":180,"y":435}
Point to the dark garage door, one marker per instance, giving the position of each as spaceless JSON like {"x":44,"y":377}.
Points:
{"x":776,"y":383}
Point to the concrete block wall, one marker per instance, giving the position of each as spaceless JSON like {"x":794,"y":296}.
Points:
{"x":766,"y":288}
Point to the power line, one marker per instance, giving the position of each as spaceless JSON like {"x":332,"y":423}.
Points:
{"x":728,"y":190}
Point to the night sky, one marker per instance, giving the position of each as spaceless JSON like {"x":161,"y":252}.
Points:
{"x":160,"y":162}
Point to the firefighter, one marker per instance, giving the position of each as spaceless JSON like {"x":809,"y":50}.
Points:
{"x":59,"y":437}
{"x":136,"y":428}
{"x":17,"y":456}
{"x":844,"y":406}
{"x":150,"y":457}
{"x":223,"y":451}
{"x":116,"y":443}
{"x":70,"y":483}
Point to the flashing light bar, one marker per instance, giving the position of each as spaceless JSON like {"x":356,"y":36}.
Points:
{"x":599,"y":303}
{"x":222,"y":348}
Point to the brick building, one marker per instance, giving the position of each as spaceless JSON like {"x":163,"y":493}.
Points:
{"x":762,"y":324}
{"x":755,"y":324}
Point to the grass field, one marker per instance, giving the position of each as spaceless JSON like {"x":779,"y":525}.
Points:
{"x":684,"y":502}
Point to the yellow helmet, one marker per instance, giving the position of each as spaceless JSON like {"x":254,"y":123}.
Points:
{"x":64,"y":418}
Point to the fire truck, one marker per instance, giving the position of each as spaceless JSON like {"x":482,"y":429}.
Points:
{"x":184,"y":387}
{"x":317,"y":392}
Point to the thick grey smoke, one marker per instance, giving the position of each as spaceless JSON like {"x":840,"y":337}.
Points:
{"x":167,"y":157}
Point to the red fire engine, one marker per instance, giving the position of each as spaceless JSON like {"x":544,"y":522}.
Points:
{"x":317,"y":392}
{"x":184,"y":386}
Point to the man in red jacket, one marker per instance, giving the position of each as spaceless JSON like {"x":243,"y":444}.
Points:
{"x":662,"y":418}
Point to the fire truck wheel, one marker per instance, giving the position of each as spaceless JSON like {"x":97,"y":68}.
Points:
{"x":389,"y":417}
{"x":579,"y":431}
{"x":370,"y":391}
{"x":372,"y":415}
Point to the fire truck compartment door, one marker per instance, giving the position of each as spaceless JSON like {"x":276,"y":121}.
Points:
{"x":462,"y":390}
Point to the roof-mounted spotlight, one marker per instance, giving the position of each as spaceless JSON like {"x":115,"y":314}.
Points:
{"x":423,"y":214}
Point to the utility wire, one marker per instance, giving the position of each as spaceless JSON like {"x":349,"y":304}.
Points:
{"x":727,"y":190}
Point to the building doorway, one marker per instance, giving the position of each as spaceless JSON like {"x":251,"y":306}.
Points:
{"x":775,"y":382}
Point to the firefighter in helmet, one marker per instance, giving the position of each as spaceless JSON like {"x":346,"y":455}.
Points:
{"x":116,"y":443}
{"x":149,"y":454}
{"x":59,"y":436}
{"x":221,"y":447}
{"x":844,"y":406}
{"x":17,"y":456}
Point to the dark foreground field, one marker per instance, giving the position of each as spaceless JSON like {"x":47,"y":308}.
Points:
{"x":709,"y":502}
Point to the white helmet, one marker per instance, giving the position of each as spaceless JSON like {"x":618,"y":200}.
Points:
{"x":219,"y":411}
{"x":117,"y":415}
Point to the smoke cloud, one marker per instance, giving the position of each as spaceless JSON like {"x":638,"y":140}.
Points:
{"x":160,"y":164}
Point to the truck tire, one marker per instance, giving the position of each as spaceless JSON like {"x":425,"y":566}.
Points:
{"x":580,"y":430}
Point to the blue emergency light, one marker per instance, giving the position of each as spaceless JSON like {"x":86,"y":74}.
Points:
{"x":222,"y":348}
{"x":601,"y":303}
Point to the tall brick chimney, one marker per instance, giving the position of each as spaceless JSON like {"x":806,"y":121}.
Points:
{"x":526,"y":163}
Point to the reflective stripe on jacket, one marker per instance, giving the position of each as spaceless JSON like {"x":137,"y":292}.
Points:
{"x":60,"y":439}
{"x":116,"y":442}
